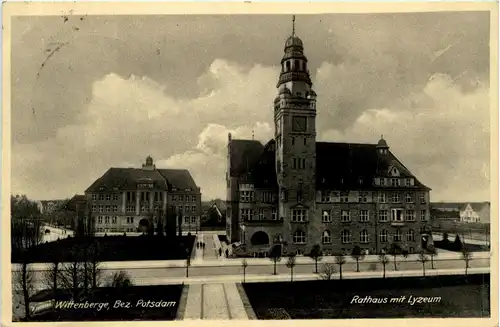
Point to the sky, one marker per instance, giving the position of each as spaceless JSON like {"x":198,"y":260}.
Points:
{"x":94,"y":92}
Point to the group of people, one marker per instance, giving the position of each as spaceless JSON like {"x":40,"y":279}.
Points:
{"x":200,"y":245}
{"x":226,"y":252}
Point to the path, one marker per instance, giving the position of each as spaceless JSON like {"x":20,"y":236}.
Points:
{"x":213,"y":301}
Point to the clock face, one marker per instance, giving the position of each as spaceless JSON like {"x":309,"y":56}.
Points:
{"x":299,"y":124}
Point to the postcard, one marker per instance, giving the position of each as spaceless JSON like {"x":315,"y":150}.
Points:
{"x":317,"y":164}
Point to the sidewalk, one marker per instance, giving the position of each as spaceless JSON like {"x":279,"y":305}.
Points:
{"x":210,"y":260}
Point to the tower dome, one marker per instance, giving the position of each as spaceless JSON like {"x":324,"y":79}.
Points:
{"x":294,"y":41}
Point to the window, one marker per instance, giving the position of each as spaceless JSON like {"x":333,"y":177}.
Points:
{"x":364,"y":215}
{"x":186,"y":209}
{"x":394,"y":181}
{"x":116,"y":197}
{"x":115,"y":208}
{"x":299,"y":237}
{"x":108,"y":208}
{"x":113,"y":220}
{"x":382,"y":182}
{"x":246,"y":196}
{"x":108,"y":197}
{"x":94,"y":208}
{"x":397,"y":236}
{"x":130,"y":220}
{"x":305,"y":140}
{"x":344,"y":197}
{"x":396,"y":197}
{"x":130,"y":196}
{"x":409,"y":182}
{"x":345,"y":216}
{"x":101,"y":208}
{"x":299,"y":215}
{"x":326,"y":237}
{"x":363,"y":236}
{"x":101,"y":197}
{"x":382,"y":215}
{"x":193,"y":209}
{"x":274,"y":214}
{"x":345,"y":236}
{"x":144,"y":208}
{"x":325,"y":196}
{"x":186,"y":220}
{"x":423,"y":215}
{"x":409,"y":198}
{"x":106,"y":220}
{"x":397,"y":215}
{"x":181,"y":198}
{"x":383,"y":236}
{"x":174,"y":198}
{"x":293,"y":143}
{"x":363,"y":197}
{"x":410,"y":215}
{"x":99,"y":219}
{"x":299,"y":163}
{"x":382,"y":198}
{"x":261,"y":214}
{"x":422,"y":198}
{"x":94,"y":197}
{"x":130,"y":208}
{"x":327,"y":216}
{"x":267,"y":196}
{"x":410,"y":235}
{"x":193,"y":220}
{"x":246,"y":214}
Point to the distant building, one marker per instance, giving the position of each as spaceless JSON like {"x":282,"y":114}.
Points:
{"x":294,"y":192}
{"x":468,"y":212}
{"x":144,"y":199}
{"x":49,"y":206}
{"x":215,"y":212}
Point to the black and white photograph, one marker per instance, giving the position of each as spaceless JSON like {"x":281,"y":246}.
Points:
{"x":250,"y":162}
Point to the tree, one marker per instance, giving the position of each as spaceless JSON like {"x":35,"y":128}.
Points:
{"x":120,"y":279}
{"x":384,"y":260}
{"x":316,"y":254}
{"x":290,"y":263}
{"x":72,"y":276}
{"x":188,"y":264}
{"x":445,"y":238}
{"x":94,"y":264}
{"x":423,"y":258}
{"x":340,"y":260}
{"x":395,"y":250}
{"x":24,"y":279}
{"x":275,"y":256}
{"x":466,"y":257}
{"x":328,"y":270}
{"x":52,"y":276}
{"x":244,"y":264}
{"x":457,"y":244}
{"x":432,"y":253}
{"x":357,"y":254}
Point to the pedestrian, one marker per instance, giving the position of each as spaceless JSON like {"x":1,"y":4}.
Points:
{"x":227,"y":253}
{"x":220,"y":252}
{"x":203,"y":244}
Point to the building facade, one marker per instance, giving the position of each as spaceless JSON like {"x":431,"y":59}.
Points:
{"x":143,"y":199}
{"x":294,"y":192}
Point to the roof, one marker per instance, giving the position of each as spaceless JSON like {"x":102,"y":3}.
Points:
{"x":459,"y":206}
{"x":128,"y":178}
{"x":338,"y":165}
{"x":71,"y":203}
{"x":478,"y":206}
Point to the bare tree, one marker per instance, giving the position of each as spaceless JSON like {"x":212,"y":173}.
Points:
{"x":384,"y":260}
{"x":316,"y":254}
{"x":120,"y":279}
{"x":340,"y":260}
{"x":357,"y":254}
{"x":290,"y":263}
{"x":328,"y":270}
{"x":275,"y":256}
{"x":466,"y":257}
{"x":395,"y":250}
{"x":244,"y":264}
{"x":52,"y":276}
{"x":432,"y":253}
{"x":423,"y":258}
{"x":24,"y":279}
{"x":72,"y":276}
{"x":188,"y":264}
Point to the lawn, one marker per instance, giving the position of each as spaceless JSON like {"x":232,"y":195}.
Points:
{"x":460,"y":297}
{"x":114,"y":248}
{"x":127,"y":303}
{"x":450,"y":246}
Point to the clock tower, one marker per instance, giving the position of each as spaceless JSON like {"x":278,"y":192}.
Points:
{"x":295,"y":136}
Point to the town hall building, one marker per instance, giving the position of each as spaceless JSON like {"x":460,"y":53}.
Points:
{"x":294,"y":192}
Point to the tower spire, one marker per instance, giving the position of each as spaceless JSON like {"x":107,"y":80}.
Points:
{"x":293,"y":25}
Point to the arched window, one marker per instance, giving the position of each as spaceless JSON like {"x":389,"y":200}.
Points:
{"x":410,"y":235}
{"x":287,"y":66}
{"x":326,"y":237}
{"x":397,"y":236}
{"x":383,"y":236}
{"x":345,"y":236}
{"x":299,"y":237}
{"x":363,"y":236}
